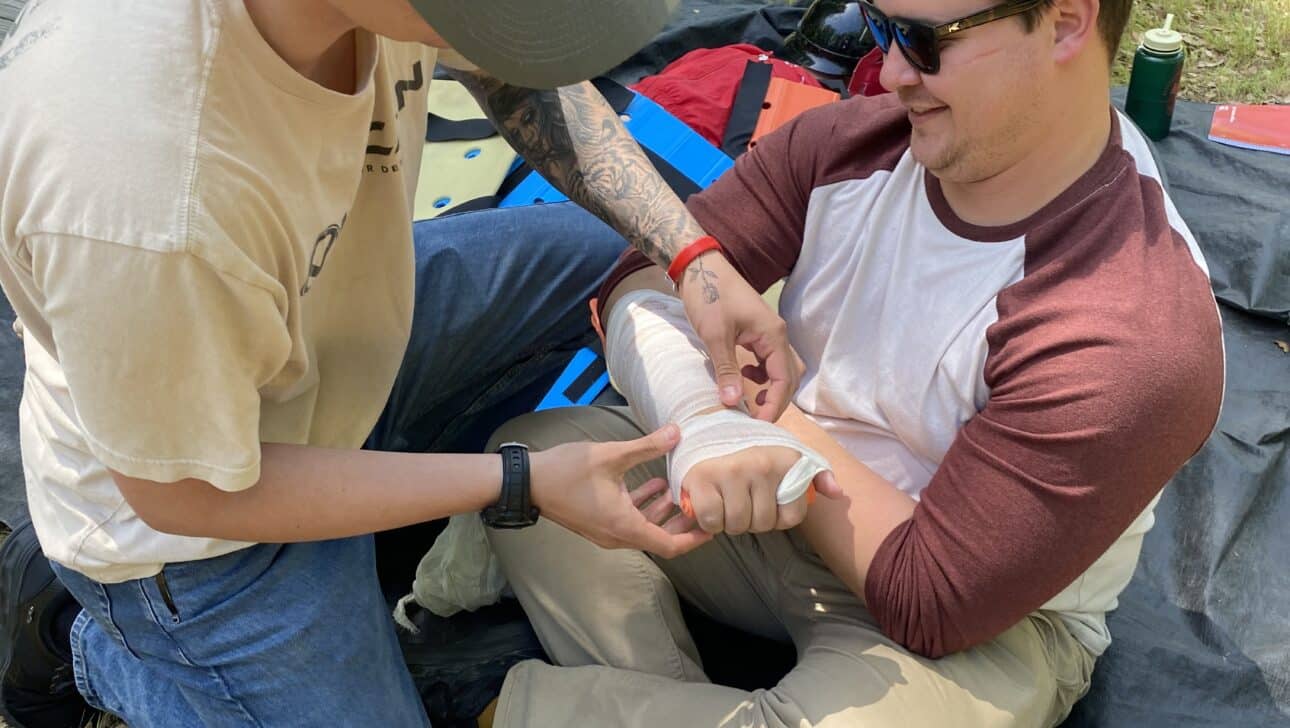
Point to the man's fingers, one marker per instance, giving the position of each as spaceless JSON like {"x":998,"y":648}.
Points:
{"x":765,"y":511}
{"x":826,"y":484}
{"x":650,"y":447}
{"x":738,"y":506}
{"x":791,"y":514}
{"x":709,"y":511}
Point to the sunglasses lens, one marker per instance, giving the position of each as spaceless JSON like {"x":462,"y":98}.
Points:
{"x":878,"y":26}
{"x":919,"y":45}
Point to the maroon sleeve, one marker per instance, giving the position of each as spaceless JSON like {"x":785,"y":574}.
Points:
{"x":757,"y":210}
{"x":1106,"y":375}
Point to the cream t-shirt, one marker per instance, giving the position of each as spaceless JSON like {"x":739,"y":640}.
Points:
{"x":207,"y":250}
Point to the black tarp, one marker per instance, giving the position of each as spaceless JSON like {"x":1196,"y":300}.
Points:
{"x":1202,"y":635}
{"x":13,"y":497}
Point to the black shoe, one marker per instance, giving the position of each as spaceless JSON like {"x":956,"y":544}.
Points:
{"x":458,"y":664}
{"x":37,"y":688}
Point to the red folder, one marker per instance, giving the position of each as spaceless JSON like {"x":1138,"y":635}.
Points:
{"x":1248,"y":126}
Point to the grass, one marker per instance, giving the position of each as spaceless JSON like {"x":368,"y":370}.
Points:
{"x":1237,"y":50}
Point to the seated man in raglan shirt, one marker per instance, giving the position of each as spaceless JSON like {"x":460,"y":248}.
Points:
{"x":1010,"y":346}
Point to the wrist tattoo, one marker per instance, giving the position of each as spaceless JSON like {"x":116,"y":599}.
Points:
{"x":708,"y":279}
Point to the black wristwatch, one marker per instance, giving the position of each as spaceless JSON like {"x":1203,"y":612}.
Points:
{"x":515,"y":508}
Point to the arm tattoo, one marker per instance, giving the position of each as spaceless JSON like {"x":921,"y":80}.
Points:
{"x":576,"y":140}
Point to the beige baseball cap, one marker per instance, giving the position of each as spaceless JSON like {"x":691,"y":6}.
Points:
{"x":546,"y":43}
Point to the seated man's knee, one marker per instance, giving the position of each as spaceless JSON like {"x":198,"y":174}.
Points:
{"x":518,"y":429}
{"x":549,"y":428}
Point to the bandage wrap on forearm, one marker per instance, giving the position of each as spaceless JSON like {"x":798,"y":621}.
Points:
{"x":661,"y":366}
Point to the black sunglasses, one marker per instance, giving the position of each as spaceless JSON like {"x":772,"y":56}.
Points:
{"x":921,"y":43}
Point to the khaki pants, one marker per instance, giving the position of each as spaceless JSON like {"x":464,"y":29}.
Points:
{"x":612,"y":620}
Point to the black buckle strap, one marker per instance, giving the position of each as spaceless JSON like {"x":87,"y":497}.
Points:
{"x":440,"y":129}
{"x":747,"y":108}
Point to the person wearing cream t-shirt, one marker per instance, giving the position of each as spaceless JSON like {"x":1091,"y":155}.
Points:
{"x":205,"y":231}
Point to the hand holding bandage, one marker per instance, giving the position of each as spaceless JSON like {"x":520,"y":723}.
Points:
{"x":725,"y":458}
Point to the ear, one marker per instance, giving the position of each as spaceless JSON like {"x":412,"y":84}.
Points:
{"x":1074,"y":28}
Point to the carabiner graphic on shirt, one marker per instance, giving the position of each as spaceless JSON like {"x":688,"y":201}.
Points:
{"x":322,"y":248}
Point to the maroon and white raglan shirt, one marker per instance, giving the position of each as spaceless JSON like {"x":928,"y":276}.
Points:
{"x":1033,"y":386}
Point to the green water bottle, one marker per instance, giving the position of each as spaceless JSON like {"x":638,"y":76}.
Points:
{"x":1153,"y":85}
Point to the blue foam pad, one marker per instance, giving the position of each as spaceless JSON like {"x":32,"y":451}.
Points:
{"x":582,"y":380}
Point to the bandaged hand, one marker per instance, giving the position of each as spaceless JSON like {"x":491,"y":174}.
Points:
{"x":734,"y":472}
{"x":737,"y":493}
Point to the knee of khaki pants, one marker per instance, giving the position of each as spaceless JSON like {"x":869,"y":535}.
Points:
{"x":550,"y":428}
{"x":588,"y":605}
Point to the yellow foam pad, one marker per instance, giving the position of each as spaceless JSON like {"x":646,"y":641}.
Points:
{"x":456,"y":172}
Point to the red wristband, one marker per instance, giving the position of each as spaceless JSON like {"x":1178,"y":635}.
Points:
{"x":689,"y":253}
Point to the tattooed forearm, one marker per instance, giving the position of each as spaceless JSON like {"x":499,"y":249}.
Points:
{"x":578,"y":143}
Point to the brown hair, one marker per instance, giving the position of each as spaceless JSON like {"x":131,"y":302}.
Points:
{"x":1112,"y":17}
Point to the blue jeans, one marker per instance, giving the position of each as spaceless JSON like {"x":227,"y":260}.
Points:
{"x":300,"y":634}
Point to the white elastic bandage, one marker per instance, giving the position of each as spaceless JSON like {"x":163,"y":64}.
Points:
{"x":660,"y":365}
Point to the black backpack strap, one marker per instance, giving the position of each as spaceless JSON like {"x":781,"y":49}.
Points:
{"x":439,"y":129}
{"x":747,"y":108}
{"x":683,"y":186}
{"x":618,"y":95}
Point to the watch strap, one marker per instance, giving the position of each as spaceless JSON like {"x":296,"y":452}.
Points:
{"x":514,"y":508}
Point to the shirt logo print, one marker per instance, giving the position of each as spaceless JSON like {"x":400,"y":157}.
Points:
{"x":322,"y":248}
